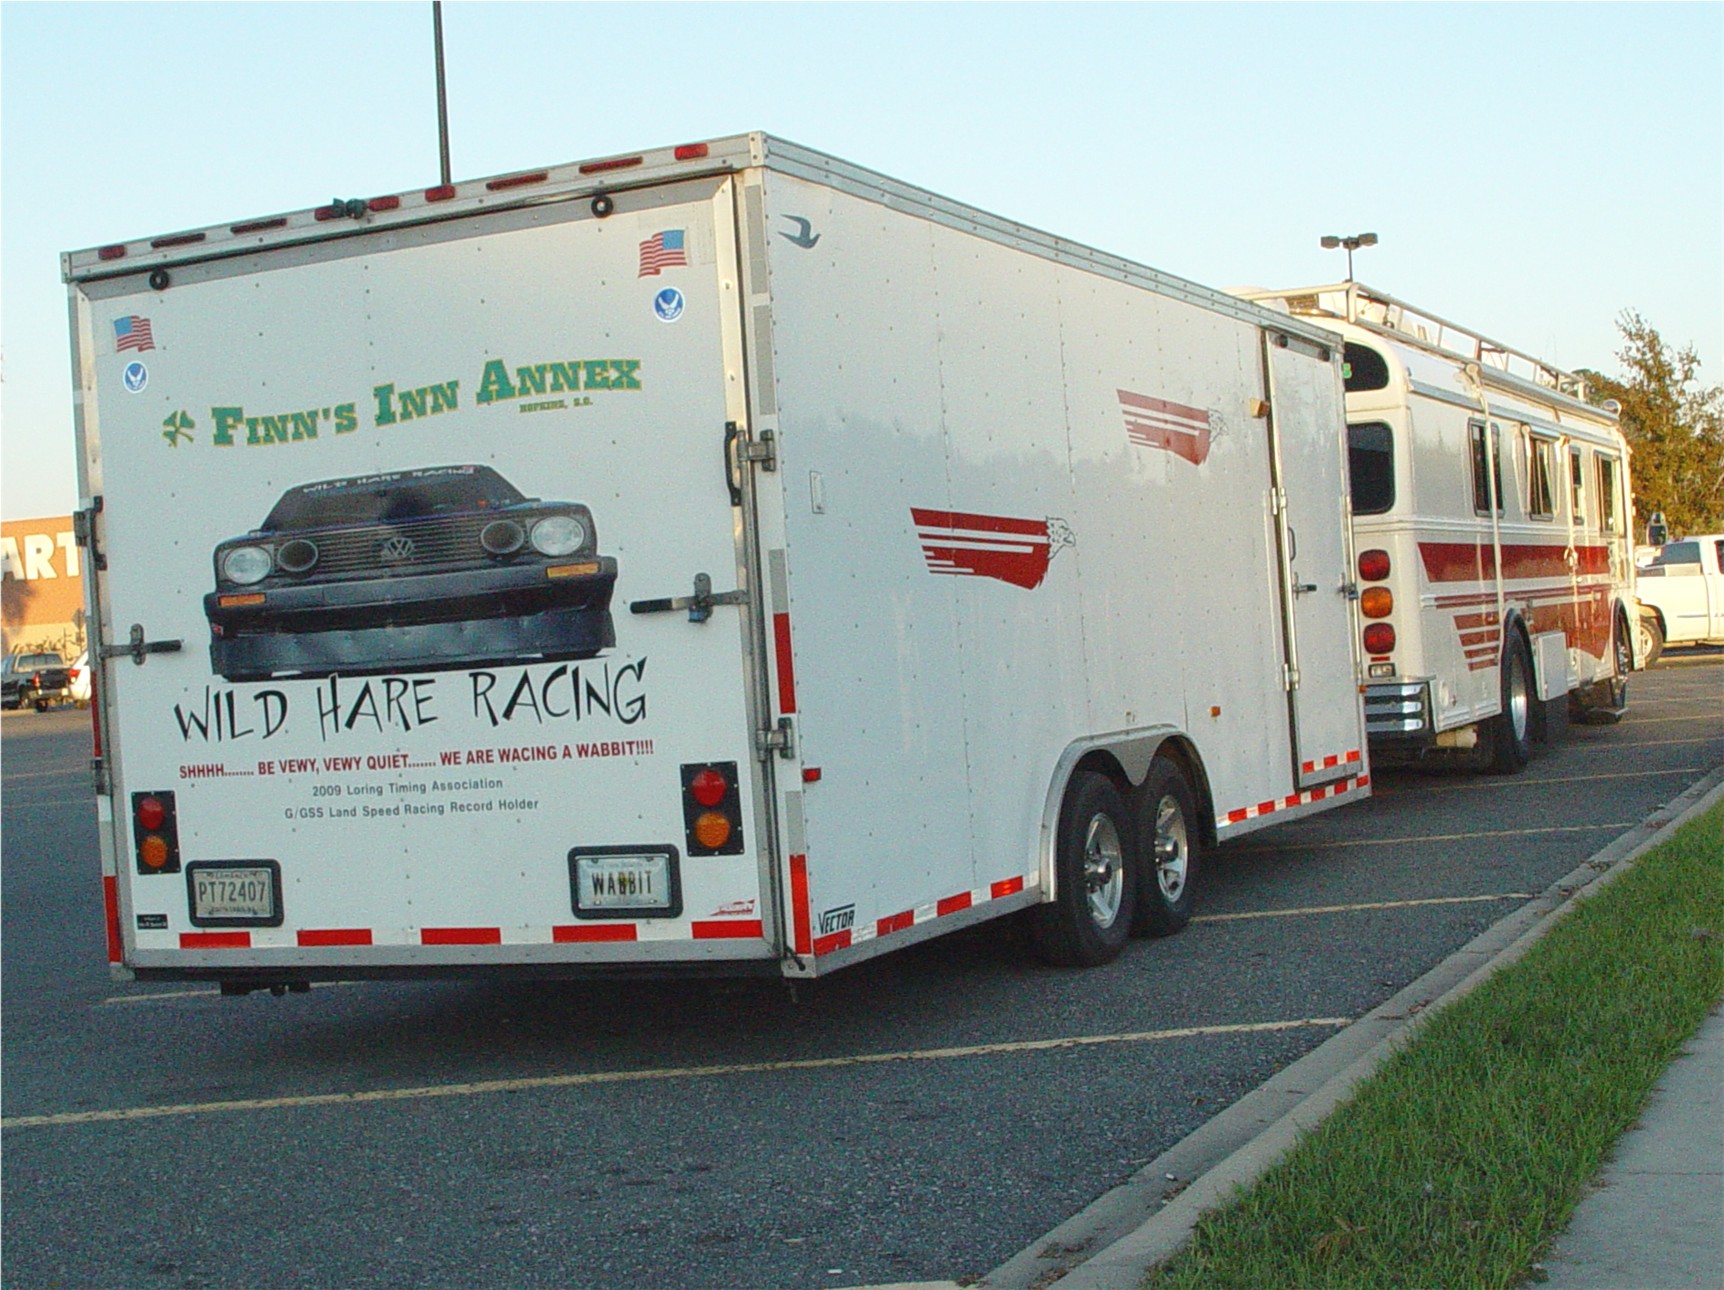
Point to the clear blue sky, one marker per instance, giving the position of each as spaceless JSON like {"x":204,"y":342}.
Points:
{"x":1532,"y":169}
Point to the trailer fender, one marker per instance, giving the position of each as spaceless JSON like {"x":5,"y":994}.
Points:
{"x":1124,"y":757}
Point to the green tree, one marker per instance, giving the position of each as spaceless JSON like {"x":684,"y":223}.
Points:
{"x":1674,"y":425}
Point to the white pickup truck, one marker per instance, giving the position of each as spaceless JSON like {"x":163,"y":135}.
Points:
{"x":1681,"y":595}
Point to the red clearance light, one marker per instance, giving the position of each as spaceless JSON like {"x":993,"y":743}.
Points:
{"x":383,"y":204}
{"x":615,"y":163}
{"x":178,"y":239}
{"x":1373,"y":565}
{"x":324,"y":213}
{"x":441,"y":193}
{"x":260,"y":225}
{"x":1379,"y":639}
{"x":111,"y":253}
{"x":691,"y":152}
{"x":517,"y":181}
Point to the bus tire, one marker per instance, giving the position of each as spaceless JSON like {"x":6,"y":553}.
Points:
{"x":1171,"y":841}
{"x":1095,"y":877}
{"x":1511,"y":729}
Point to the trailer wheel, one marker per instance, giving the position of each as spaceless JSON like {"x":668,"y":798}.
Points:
{"x":1171,"y":839}
{"x":1095,"y":877}
{"x":1511,"y":729}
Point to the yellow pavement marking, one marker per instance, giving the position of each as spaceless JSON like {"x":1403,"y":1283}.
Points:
{"x":161,"y":995}
{"x":1432,"y":837}
{"x":1613,"y":746}
{"x":1532,"y":781}
{"x":483,"y":1087}
{"x":1663,"y":721}
{"x":1362,"y":905}
{"x":47,"y":774}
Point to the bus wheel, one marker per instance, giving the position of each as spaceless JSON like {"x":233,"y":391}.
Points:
{"x":1171,"y":839}
{"x":1095,"y":892}
{"x":1511,"y":729}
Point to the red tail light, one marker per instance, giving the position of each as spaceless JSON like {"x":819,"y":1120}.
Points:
{"x":712,"y":808}
{"x":1373,"y":565}
{"x":1379,"y":639}
{"x":156,"y":832}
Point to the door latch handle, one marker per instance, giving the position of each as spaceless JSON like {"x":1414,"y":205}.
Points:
{"x":136,"y":647}
{"x":699,"y":605}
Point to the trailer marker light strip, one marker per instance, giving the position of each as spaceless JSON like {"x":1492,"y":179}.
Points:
{"x":591,"y":932}
{"x":908,"y":918}
{"x":441,"y":193}
{"x":313,"y":937}
{"x":786,"y":669}
{"x":587,"y":1078}
{"x":1331,"y":761}
{"x":178,"y":239}
{"x":517,"y":181}
{"x":259,"y":225}
{"x":615,"y":163}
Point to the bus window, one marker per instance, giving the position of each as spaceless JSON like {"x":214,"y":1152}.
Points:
{"x":1365,"y":368}
{"x":1371,"y":467}
{"x":1541,"y":478}
{"x":1482,"y":474}
{"x":1609,"y":498}
{"x":1577,"y":487}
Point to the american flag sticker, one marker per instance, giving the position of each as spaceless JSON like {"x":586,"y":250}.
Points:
{"x":132,"y":333}
{"x":1164,"y":424}
{"x":1010,"y":550}
{"x":662,"y":251}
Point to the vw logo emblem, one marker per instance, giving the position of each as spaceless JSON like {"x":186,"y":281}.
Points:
{"x":397,"y":550}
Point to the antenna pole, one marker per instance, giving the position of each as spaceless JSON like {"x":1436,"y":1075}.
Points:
{"x":442,"y":92}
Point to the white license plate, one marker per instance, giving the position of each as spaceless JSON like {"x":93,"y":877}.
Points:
{"x":233,"y":893}
{"x":623,"y":881}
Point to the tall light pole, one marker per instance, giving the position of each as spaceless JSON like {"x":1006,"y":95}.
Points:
{"x":442,"y":92}
{"x":1352,"y":244}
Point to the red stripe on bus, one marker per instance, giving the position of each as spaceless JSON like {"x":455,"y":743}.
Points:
{"x":729,"y":929}
{"x":567,"y":934}
{"x":799,"y":904}
{"x":786,"y":672}
{"x":215,"y":940}
{"x":335,"y":936}
{"x":1471,"y":562}
{"x":461,"y":935}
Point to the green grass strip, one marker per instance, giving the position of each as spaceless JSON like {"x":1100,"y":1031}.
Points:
{"x":1465,"y":1154}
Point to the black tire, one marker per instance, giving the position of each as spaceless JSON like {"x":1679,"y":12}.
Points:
{"x":1095,"y":877}
{"x":1510,"y":731}
{"x":41,"y":705}
{"x":1652,"y":640}
{"x":1170,"y":838}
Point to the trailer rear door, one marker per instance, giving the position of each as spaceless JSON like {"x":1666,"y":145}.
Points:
{"x":394,"y":492}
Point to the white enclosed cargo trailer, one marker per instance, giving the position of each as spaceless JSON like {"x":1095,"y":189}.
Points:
{"x":719,"y":556}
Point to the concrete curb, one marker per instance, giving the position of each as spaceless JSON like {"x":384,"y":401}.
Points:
{"x":1118,"y":1239}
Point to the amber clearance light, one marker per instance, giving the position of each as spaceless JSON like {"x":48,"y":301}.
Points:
{"x":572,"y":570}
{"x":1377,"y":602}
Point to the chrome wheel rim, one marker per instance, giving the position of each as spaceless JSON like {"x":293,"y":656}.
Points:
{"x":1172,"y":849}
{"x":1103,"y":870}
{"x":1520,"y":698}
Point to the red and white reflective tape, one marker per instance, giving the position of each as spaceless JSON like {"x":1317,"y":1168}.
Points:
{"x":1317,"y":794}
{"x":1330,"y":762}
{"x":908,"y":918}
{"x":712,"y":929}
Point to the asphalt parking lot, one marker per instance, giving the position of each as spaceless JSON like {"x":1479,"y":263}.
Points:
{"x":927,"y":1115}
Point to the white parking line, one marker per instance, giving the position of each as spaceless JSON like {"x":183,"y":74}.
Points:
{"x":165,"y":996}
{"x":1303,"y":910}
{"x":481,"y":1088}
{"x":1533,"y":781}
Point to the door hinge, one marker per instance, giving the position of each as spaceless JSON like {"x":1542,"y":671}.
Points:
{"x":763,"y":452}
{"x":84,"y":534}
{"x":1290,"y":677}
{"x":780,"y":739}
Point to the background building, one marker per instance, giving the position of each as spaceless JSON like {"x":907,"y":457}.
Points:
{"x":42,"y":591}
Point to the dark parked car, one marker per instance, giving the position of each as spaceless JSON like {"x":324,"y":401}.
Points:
{"x":36,"y":680}
{"x":444,"y":567}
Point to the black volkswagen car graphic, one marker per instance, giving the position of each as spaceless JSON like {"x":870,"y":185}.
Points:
{"x":412,"y":570}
